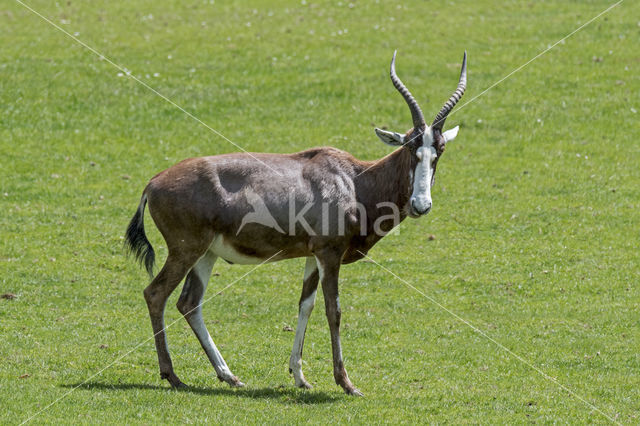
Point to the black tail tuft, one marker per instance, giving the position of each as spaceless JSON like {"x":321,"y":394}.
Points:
{"x":136,"y":241}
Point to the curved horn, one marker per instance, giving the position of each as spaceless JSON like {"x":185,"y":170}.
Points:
{"x":438,"y":122}
{"x":416,"y":112}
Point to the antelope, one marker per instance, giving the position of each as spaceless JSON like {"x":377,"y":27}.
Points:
{"x":200,"y":206}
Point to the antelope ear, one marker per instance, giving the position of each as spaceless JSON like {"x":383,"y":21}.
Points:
{"x":390,"y":138}
{"x":451,"y":134}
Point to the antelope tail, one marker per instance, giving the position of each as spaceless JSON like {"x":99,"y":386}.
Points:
{"x":136,"y":241}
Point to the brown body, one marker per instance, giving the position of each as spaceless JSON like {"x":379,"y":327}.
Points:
{"x":206,"y":197}
{"x":214,"y":207}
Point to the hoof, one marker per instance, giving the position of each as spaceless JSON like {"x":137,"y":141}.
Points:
{"x":233,"y":381}
{"x":173,"y":380}
{"x":354,"y":392}
{"x":304,"y":385}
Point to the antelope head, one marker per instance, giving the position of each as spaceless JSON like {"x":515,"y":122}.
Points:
{"x":426,"y":143}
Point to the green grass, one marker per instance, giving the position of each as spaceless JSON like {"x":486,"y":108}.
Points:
{"x":536,"y":209}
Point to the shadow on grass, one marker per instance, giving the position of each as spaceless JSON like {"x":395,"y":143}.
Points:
{"x":284,"y":394}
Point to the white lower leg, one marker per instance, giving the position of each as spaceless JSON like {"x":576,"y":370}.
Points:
{"x":295,"y":362}
{"x":222,"y":370}
{"x":203,"y":270}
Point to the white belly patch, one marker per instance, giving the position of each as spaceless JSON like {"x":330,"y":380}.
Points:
{"x":230,"y":254}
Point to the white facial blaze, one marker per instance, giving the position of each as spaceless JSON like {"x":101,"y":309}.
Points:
{"x":421,"y":196}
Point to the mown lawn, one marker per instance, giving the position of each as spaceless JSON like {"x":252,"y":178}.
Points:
{"x":535,"y":219}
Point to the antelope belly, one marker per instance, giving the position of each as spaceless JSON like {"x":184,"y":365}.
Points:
{"x":227,"y":252}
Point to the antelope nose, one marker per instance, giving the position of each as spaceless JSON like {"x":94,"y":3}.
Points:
{"x":424,"y":211}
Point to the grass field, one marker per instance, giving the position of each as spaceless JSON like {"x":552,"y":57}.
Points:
{"x":536,"y":209}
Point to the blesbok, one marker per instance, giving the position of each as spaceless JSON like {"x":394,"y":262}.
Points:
{"x":201,"y":206}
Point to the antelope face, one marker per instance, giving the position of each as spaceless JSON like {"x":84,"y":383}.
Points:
{"x":427,"y":155}
{"x":426,"y":143}
{"x":427,"y":147}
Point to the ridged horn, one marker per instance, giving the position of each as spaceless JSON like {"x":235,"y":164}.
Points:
{"x":438,"y":122}
{"x":416,"y":112}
